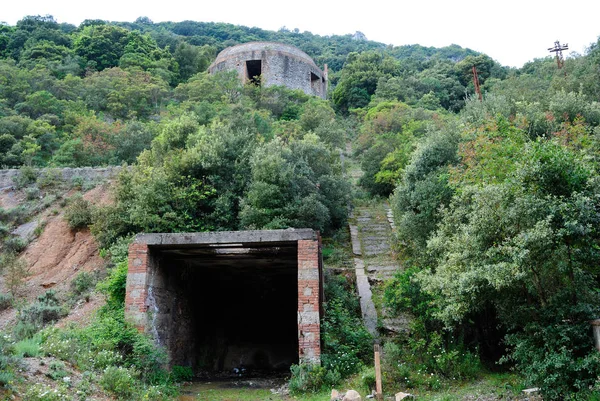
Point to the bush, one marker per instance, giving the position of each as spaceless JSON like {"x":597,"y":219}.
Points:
{"x":7,"y":362}
{"x":368,"y":379}
{"x":65,"y":345}
{"x":114,"y":286}
{"x":56,"y":370}
{"x":27,"y":175}
{"x":14,"y":270}
{"x":119,"y":381}
{"x":27,"y":348}
{"x":4,"y":230}
{"x":311,"y":378}
{"x":106,"y":358}
{"x":47,"y":309}
{"x":41,"y":392}
{"x":347,"y":343}
{"x":6,"y":301}
{"x":15,"y":244}
{"x":556,"y":354}
{"x":82,"y":283}
{"x":78,"y":213}
{"x":6,"y":378}
{"x":181,"y":374}
{"x":49,"y":178}
{"x":32,"y":193}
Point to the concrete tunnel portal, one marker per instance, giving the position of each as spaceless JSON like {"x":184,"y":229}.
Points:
{"x":223,"y":300}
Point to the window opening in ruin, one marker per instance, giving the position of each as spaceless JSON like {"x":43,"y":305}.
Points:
{"x":313,"y":77}
{"x":254,"y":71}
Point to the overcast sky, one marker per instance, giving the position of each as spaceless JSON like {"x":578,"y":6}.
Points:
{"x":510,"y":31}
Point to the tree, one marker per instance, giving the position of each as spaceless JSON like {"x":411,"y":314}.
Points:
{"x":359,"y":78}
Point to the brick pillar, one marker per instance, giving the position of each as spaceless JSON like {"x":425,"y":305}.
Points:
{"x":309,"y":326}
{"x":136,"y":292}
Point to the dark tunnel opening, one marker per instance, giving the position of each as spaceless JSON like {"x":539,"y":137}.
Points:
{"x":222,"y":308}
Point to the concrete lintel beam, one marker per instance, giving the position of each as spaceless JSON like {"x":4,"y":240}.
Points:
{"x":227,"y":237}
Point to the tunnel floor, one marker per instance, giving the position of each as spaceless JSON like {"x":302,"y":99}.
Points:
{"x":230,"y":310}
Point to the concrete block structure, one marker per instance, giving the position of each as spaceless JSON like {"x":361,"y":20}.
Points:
{"x":269,"y":63}
{"x":220,"y":300}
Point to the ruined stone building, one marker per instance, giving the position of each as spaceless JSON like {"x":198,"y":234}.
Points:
{"x":216,"y":301}
{"x":269,"y":63}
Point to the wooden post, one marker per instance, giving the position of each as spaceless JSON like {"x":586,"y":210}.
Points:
{"x":378,"y":387}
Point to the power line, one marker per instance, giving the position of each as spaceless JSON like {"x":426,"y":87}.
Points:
{"x":558,"y":48}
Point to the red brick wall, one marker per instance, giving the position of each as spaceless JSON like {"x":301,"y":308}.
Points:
{"x":137,"y":290}
{"x":309,"y":327}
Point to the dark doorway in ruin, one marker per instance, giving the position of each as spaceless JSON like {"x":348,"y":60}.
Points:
{"x":229,"y":307}
{"x":254,"y":71}
{"x":218,"y":301}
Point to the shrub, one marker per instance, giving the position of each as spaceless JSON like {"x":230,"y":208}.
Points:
{"x":65,"y":345}
{"x":6,"y":301}
{"x":15,"y":244}
{"x":6,"y":378}
{"x":32,"y":193}
{"x":82,"y":283}
{"x":39,"y":229}
{"x":7,"y":362}
{"x":119,"y":381}
{"x":4,"y":230}
{"x":47,"y":309}
{"x":15,"y":271}
{"x":106,"y":358}
{"x":114,"y":285}
{"x":368,"y":379}
{"x":181,"y":374}
{"x":27,"y":175}
{"x":77,"y":182}
{"x":56,"y":370}
{"x":347,"y":343}
{"x":78,"y":213}
{"x":49,"y":178}
{"x":85,"y":387}
{"x":149,"y":360}
{"x":41,"y":392}
{"x":24,"y":329}
{"x":311,"y":378}
{"x":27,"y":348}
{"x":556,"y":354}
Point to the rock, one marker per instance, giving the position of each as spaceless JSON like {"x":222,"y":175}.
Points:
{"x":352,"y":395}
{"x":530,"y":391}
{"x":48,"y":284}
{"x":401,"y":396}
{"x":335,"y":395}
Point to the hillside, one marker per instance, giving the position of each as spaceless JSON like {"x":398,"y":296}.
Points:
{"x":485,"y":284}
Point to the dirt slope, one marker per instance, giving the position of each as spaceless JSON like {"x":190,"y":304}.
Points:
{"x":56,"y":257}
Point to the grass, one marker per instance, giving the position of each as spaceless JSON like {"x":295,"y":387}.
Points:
{"x":499,"y":385}
{"x":496,"y":385}
{"x":337,"y":251}
{"x":251,"y":395}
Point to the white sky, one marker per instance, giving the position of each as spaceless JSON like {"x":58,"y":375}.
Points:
{"x":510,"y":31}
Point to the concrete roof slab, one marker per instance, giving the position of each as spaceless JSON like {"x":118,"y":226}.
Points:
{"x":245,"y":238}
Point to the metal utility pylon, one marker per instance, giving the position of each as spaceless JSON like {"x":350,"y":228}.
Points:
{"x":558,"y":48}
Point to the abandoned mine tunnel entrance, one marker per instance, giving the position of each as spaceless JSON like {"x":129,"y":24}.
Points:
{"x":224,"y":300}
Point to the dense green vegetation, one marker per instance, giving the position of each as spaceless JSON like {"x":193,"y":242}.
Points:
{"x":99,"y":93}
{"x":496,"y":202}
